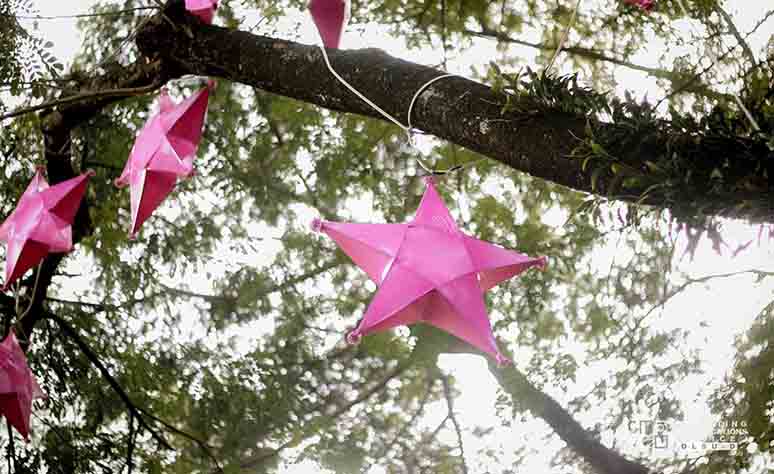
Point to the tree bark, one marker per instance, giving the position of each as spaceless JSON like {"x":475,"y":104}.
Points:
{"x":538,"y":142}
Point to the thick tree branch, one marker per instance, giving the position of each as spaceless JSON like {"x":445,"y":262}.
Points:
{"x":539,"y":142}
{"x":603,"y":459}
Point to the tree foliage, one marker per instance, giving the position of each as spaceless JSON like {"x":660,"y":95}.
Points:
{"x":213,"y":342}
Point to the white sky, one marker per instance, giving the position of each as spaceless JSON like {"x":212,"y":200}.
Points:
{"x":728,"y":306}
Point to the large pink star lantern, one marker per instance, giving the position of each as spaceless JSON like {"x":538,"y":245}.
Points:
{"x":41,"y":223}
{"x":163,"y":152}
{"x":330,"y":17}
{"x":204,"y":9}
{"x":17,"y":386}
{"x":428,"y":271}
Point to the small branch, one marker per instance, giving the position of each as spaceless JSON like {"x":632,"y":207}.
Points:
{"x":731,"y":26}
{"x":94,"y":359}
{"x":202,"y":445}
{"x":679,"y":80}
{"x":11,"y":454}
{"x":322,"y":420}
{"x":704,"y":279}
{"x":450,"y":404}
{"x":405,"y":427}
{"x":130,"y":445}
{"x":127,"y":11}
{"x":128,"y":92}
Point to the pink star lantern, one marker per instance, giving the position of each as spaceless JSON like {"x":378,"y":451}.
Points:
{"x":17,"y":386}
{"x":41,"y":223}
{"x":428,"y":271}
{"x":646,"y":5}
{"x":204,"y":9}
{"x":330,"y":17}
{"x":163,"y":151}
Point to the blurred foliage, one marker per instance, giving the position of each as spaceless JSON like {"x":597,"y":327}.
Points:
{"x":225,"y":318}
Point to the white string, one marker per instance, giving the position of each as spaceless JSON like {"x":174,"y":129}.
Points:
{"x":563,"y":39}
{"x":716,"y":60}
{"x":419,"y":91}
{"x":409,"y":129}
{"x":357,"y":92}
{"x":32,"y":297}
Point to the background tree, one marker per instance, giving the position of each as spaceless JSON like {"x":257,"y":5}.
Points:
{"x":214,"y":341}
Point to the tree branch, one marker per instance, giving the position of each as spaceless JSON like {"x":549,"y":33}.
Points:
{"x":680,"y":81}
{"x":470,"y":114}
{"x":603,"y":459}
{"x":450,"y":405}
{"x":732,"y":27}
{"x":100,"y":94}
{"x":322,"y":421}
{"x":202,"y":445}
{"x":693,"y":281}
{"x":128,"y":11}
{"x":96,"y":362}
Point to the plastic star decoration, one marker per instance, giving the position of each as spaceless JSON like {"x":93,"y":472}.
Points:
{"x":41,"y":223}
{"x":17,"y":386}
{"x":428,"y":271}
{"x":163,"y":152}
{"x":330,"y":17}
{"x":204,"y":9}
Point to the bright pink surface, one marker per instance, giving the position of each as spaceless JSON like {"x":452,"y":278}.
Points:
{"x":204,"y":9}
{"x":646,"y":5}
{"x":330,"y":17}
{"x":40,"y":224}
{"x":428,"y":271}
{"x":17,"y":385}
{"x":162,"y":153}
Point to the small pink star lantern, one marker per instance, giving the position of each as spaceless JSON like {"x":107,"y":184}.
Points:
{"x":17,"y":386}
{"x":428,"y":271}
{"x":646,"y":5}
{"x":204,"y":9}
{"x":330,"y":17}
{"x":41,"y":223}
{"x":163,"y":152}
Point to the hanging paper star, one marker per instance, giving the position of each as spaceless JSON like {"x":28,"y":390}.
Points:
{"x":330,"y":17}
{"x":428,"y":271}
{"x":17,"y":385}
{"x":646,"y":5}
{"x":204,"y":9}
{"x":41,"y":223}
{"x":163,"y":151}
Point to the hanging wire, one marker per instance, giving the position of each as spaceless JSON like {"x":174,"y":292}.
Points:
{"x":407,"y":128}
{"x":716,"y":60}
{"x":563,"y":39}
{"x":357,"y":92}
{"x":32,"y":296}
